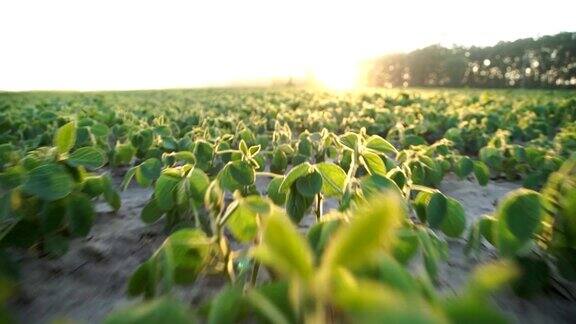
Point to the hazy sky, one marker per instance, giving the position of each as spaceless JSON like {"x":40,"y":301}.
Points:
{"x":120,"y":44}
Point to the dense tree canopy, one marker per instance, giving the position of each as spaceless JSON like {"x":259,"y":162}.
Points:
{"x":547,"y":62}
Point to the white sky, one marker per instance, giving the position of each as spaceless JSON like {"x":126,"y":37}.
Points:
{"x":121,"y":44}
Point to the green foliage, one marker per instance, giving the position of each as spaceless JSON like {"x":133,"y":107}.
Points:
{"x":65,"y":138}
{"x":157,"y":311}
{"x":310,"y":184}
{"x":178,"y":261}
{"x":89,"y":157}
{"x":481,"y":172}
{"x":207,"y":153}
{"x":242,"y":220}
{"x":294,"y":174}
{"x":436,"y":209}
{"x":49,"y":182}
{"x":333,"y":179}
{"x":283,"y":248}
{"x":80,"y":214}
{"x":370,"y":231}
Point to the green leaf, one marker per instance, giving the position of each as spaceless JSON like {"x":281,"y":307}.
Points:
{"x":214,"y":198}
{"x":226,"y":181}
{"x":271,"y":303}
{"x":226,"y":306}
{"x":398,"y":177}
{"x":420,"y":202}
{"x":297,"y":205}
{"x":123,"y":154}
{"x":282,"y":248}
{"x":380,"y":145}
{"x":56,"y":245}
{"x":199,"y":183}
{"x":49,"y":182}
{"x":148,"y":171}
{"x":395,"y":275}
{"x":436,"y":209}
{"x":433,"y":250}
{"x":143,"y":280}
{"x":481,"y":172}
{"x":242,"y":222}
{"x":110,"y":194}
{"x":412,"y":139}
{"x":310,"y":184}
{"x":80,"y":214}
{"x":52,"y":216}
{"x":93,"y":186}
{"x":491,"y":156}
{"x":22,"y":233}
{"x":472,"y":310}
{"x":350,"y":140}
{"x":371,"y":230}
{"x":464,"y":167}
{"x":376,"y":183}
{"x":183,"y":256}
{"x":454,"y":223}
{"x":12,"y":177}
{"x":487,"y":227}
{"x":151,"y":212}
{"x":65,"y":138}
{"x":305,"y":147}
{"x":508,"y":245}
{"x":295,"y":173}
{"x":89,"y":157}
{"x":374,"y":163}
{"x":333,"y":179}
{"x":320,"y":234}
{"x":535,"y":275}
{"x":406,"y":246}
{"x":243,"y":148}
{"x":204,"y":153}
{"x":565,"y":261}
{"x":274,"y":193}
{"x":99,"y":130}
{"x":159,"y":311}
{"x":488,"y":278}
{"x":128,"y":177}
{"x":266,"y":308}
{"x":433,"y":171}
{"x":185,"y":156}
{"x":242,"y":172}
{"x":279,"y":162}
{"x":254,"y":150}
{"x":522,"y":212}
{"x":164,"y":191}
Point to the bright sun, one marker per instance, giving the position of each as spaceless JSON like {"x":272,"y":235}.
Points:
{"x":337,"y":74}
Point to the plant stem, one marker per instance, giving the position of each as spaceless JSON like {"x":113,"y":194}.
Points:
{"x":352,"y":170}
{"x":227,"y":151}
{"x":318,"y":207}
{"x":268,"y":174}
{"x":225,"y":248}
{"x":254,"y":275}
{"x":196,"y":217}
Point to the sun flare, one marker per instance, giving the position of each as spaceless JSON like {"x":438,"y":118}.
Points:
{"x":337,"y":75}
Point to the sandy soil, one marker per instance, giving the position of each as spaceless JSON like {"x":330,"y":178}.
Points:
{"x":89,"y":281}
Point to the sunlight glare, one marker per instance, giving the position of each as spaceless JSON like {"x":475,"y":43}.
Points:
{"x":337,"y":75}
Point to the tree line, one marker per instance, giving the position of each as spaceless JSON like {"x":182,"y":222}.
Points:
{"x":546,"y":62}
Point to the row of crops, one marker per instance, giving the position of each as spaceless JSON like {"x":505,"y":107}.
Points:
{"x":236,"y":173}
